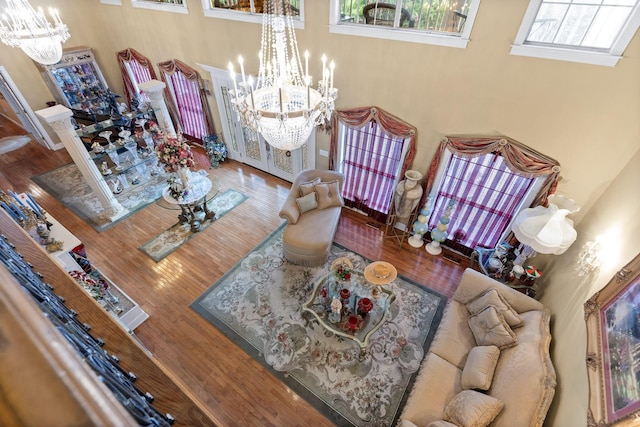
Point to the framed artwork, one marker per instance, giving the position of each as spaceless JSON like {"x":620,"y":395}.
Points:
{"x":613,"y":350}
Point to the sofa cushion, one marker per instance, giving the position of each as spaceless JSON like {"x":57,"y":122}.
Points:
{"x":426,"y":403}
{"x":493,"y":297}
{"x":454,"y":339}
{"x":307,"y":187}
{"x":470,"y":408}
{"x":308,"y":202}
{"x":490,"y":328}
{"x":478,"y":371}
{"x":328,"y":194}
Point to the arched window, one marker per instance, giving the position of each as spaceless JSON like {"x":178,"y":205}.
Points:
{"x":135,"y":68}
{"x":372,"y":149}
{"x":186,"y":99}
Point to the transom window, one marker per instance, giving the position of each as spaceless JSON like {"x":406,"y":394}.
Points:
{"x":177,"y":6}
{"x":248,"y":10}
{"x":591,"y":31}
{"x":441,"y":22}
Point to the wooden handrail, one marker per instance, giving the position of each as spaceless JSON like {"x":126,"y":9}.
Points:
{"x":43,"y":379}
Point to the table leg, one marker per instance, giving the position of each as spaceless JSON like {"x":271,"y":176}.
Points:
{"x":207,"y":213}
{"x":195,"y":224}
{"x":183,"y":217}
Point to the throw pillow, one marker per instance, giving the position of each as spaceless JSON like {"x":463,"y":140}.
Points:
{"x":479,"y":368}
{"x":307,"y":187}
{"x":490,"y":328}
{"x":328,"y":194}
{"x":493,"y":297}
{"x":307,"y":203}
{"x":470,"y":408}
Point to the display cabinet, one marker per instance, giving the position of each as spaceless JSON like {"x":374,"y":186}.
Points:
{"x":77,"y":82}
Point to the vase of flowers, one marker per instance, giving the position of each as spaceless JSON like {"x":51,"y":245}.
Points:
{"x":175,"y":155}
{"x":216,"y":150}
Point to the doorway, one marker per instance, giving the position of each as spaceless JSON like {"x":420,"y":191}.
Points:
{"x":247,"y":146}
{"x":23,"y":111}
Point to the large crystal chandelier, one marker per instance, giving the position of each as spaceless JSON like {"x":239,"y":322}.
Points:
{"x":24,"y":27}
{"x":283,"y":106}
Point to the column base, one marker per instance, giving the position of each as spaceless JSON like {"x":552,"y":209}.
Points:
{"x":415,"y":240}
{"x":434,"y":248}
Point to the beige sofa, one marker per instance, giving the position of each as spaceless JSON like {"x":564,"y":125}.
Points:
{"x":524,"y":378}
{"x":308,"y":236}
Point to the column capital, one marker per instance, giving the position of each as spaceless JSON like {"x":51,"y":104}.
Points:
{"x":55,"y":114}
{"x":152,"y":87}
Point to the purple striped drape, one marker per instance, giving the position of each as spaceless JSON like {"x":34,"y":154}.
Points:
{"x":190,"y":107}
{"x":142,"y":72}
{"x":371,"y":161}
{"x":486,"y":193}
{"x":379,"y":153}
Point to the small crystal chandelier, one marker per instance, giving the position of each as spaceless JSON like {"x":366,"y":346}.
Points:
{"x":28,"y":29}
{"x":282,"y":106}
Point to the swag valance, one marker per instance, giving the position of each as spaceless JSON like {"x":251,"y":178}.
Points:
{"x":521,"y":159}
{"x":128,"y":55}
{"x":356,"y":117}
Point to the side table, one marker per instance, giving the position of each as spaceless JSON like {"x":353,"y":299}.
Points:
{"x":201,"y":191}
{"x":501,"y":274}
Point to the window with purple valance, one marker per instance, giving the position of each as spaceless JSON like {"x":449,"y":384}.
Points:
{"x":372,"y":148}
{"x":490,"y":180}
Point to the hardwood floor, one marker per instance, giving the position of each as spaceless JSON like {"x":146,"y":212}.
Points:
{"x":217,"y":373}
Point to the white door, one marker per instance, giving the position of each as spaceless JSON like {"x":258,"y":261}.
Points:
{"x":24,"y":112}
{"x":247,"y":146}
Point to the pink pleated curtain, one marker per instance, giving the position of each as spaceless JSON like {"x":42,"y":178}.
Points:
{"x":190,"y":107}
{"x":487,"y":178}
{"x":374,"y":156}
{"x":141,"y":71}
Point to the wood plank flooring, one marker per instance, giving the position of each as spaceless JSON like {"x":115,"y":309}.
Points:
{"x":233,"y":386}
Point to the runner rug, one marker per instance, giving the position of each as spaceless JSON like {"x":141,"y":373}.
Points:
{"x":179,"y":234}
{"x":67,"y":185}
{"x":258,"y":303}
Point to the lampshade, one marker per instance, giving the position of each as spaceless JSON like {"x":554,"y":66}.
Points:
{"x":547,"y":230}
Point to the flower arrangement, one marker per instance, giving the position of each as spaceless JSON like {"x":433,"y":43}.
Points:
{"x":174,"y":153}
{"x":343,"y":273}
{"x":216,"y":151}
{"x":176,"y":189}
{"x":96,"y":288}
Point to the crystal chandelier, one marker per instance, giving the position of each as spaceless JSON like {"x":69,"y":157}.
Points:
{"x":24,"y":27}
{"x":283,"y":106}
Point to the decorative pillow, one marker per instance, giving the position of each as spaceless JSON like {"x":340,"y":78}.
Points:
{"x":493,"y":297}
{"x":470,"y":408}
{"x":479,"y":368}
{"x":307,"y":187}
{"x":328,"y":194}
{"x":490,"y":328}
{"x":307,"y":203}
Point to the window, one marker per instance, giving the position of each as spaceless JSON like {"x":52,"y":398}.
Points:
{"x":589,"y":31}
{"x":486,"y":194}
{"x":439,"y":22}
{"x":177,"y":6}
{"x":372,"y":149}
{"x":135,"y":68}
{"x":188,"y":100}
{"x":248,"y":10}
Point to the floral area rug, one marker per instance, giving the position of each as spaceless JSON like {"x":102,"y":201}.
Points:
{"x":178,"y":234}
{"x":68,"y":186}
{"x":258,"y":303}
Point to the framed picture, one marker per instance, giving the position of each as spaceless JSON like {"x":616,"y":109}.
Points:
{"x":613,"y":350}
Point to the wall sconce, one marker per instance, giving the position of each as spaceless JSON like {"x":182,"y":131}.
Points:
{"x":588,"y":258}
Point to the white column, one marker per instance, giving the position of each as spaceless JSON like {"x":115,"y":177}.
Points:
{"x":58,"y":117}
{"x":155,"y":91}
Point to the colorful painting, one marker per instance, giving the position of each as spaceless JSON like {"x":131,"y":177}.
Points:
{"x":613,"y":349}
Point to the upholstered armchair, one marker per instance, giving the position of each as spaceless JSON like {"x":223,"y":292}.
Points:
{"x":312,"y":211}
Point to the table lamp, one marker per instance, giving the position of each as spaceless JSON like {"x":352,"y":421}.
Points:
{"x":545,"y":230}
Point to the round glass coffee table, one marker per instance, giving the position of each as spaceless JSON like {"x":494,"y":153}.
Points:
{"x":194,"y":207}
